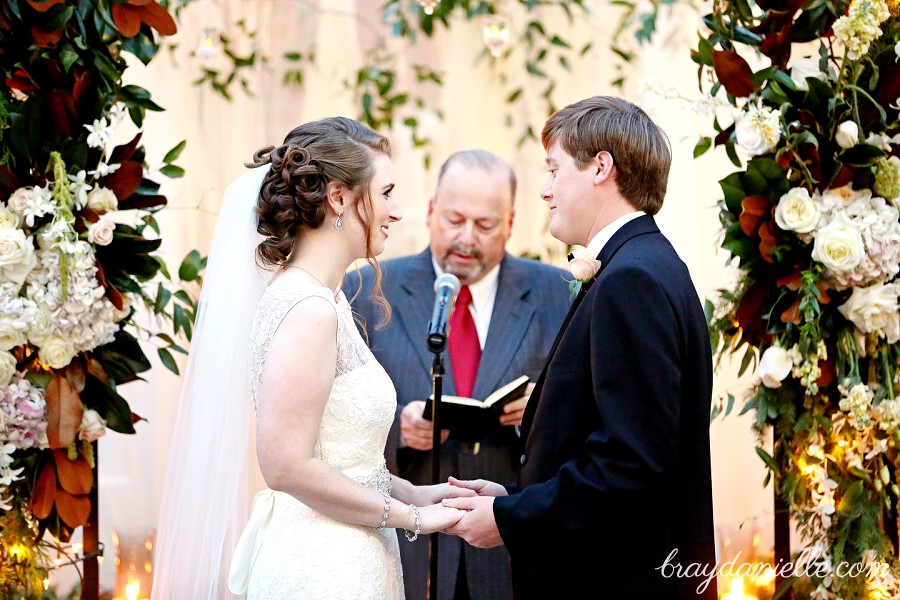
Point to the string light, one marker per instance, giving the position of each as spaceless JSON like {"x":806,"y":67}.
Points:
{"x":495,"y":34}
{"x":428,"y":5}
{"x":209,"y":45}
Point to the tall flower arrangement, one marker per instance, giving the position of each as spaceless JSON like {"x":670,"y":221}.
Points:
{"x":810,"y":219}
{"x":77,"y":236}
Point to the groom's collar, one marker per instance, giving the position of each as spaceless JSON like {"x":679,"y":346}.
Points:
{"x":604,"y":235}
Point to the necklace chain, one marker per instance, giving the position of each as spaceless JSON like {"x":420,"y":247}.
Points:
{"x":316,"y":279}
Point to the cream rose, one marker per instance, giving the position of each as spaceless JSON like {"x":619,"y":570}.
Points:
{"x":774,"y":365}
{"x":17,"y":257}
{"x":875,"y":309}
{"x":758,"y":130}
{"x":7,"y":367}
{"x":801,"y":68}
{"x":102,"y":200}
{"x":101,"y":232}
{"x":56,"y":352}
{"x":847,"y":134}
{"x":20,"y":199}
{"x":839,"y":245}
{"x":93,"y":427}
{"x":11,"y":334}
{"x":796,"y":211}
{"x":41,"y":328}
{"x":9,"y":219}
{"x":583,"y":265}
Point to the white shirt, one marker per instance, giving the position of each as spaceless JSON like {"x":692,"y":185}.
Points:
{"x":484,"y":292}
{"x":596,"y":244}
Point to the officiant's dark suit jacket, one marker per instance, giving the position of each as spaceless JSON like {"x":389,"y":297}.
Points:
{"x":615,"y":473}
{"x":531,"y":303}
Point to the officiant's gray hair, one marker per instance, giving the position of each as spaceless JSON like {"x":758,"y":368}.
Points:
{"x":482,"y":159}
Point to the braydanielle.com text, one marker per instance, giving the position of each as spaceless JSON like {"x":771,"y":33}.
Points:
{"x":808,"y":564}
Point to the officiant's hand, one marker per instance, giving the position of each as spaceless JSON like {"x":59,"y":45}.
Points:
{"x":482,"y":487}
{"x":418,"y":432}
{"x":477,"y":526}
{"x":513,"y":411}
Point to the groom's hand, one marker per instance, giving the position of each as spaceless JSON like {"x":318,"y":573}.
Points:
{"x":482,"y":487}
{"x":477,"y":526}
{"x":417,"y":431}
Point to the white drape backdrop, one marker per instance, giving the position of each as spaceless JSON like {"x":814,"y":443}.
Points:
{"x":221,"y":135}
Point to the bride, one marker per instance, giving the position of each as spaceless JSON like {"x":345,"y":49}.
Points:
{"x":323,"y":527}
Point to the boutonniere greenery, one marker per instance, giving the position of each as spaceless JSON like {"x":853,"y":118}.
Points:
{"x":584,"y":268}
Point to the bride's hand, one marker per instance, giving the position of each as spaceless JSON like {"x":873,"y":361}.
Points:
{"x":436,"y":517}
{"x":433,"y":494}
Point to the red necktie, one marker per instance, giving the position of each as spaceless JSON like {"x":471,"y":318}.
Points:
{"x":465,"y":350}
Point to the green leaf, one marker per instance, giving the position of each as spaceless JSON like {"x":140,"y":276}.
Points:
{"x":162,"y":298}
{"x":191,"y":266}
{"x":109,"y":404}
{"x":166,"y":357}
{"x":173,"y":154}
{"x":172,"y":171}
{"x":770,"y":462}
{"x":861,"y":155}
{"x":702,"y":146}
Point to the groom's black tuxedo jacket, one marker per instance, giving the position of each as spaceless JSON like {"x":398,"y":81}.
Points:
{"x":615,"y":472}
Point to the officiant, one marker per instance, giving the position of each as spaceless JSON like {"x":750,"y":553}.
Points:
{"x":506,"y":317}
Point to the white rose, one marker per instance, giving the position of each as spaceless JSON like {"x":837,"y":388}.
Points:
{"x":796,"y":211}
{"x":774,"y":365}
{"x":7,"y":367}
{"x":847,"y":134}
{"x":11,"y":334}
{"x":583,"y":264}
{"x":102,"y":200}
{"x":93,"y":427}
{"x":101,"y":232}
{"x":9,"y":219}
{"x":17,"y":257}
{"x":875,"y":309}
{"x":801,"y":68}
{"x":839,"y":245}
{"x":56,"y":352}
{"x":757,"y":130}
{"x":20,"y":199}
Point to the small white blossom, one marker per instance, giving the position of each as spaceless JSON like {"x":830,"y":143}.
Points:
{"x":104,"y":169}
{"x":847,"y":134}
{"x":79,"y":188}
{"x":99,"y":133}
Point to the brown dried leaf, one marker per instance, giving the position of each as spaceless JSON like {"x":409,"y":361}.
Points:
{"x":75,"y":476}
{"x":734,"y":73}
{"x":64,"y":412}
{"x":74,"y":510}
{"x":44,"y":492}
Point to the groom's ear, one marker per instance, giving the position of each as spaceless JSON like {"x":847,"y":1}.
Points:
{"x":604,"y":167}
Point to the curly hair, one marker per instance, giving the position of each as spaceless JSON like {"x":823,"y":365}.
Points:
{"x":293,"y":193}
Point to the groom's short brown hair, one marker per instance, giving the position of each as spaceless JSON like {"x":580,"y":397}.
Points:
{"x":639,"y":147}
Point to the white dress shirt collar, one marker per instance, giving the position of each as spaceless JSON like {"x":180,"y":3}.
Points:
{"x":604,"y":235}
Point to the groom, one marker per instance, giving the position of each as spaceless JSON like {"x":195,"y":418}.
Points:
{"x":614,"y":493}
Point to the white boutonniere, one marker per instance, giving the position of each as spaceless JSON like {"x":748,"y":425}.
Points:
{"x":584,"y":267}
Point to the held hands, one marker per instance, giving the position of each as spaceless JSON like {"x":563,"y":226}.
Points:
{"x":477,"y":525}
{"x":432,"y":494}
{"x":419,"y":432}
{"x":515,"y":410}
{"x":436,"y":517}
{"x":482,"y":487}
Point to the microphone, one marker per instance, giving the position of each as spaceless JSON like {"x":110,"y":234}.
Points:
{"x":446,"y":287}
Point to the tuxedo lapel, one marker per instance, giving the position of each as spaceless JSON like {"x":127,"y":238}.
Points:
{"x":414,"y":304}
{"x":639,"y":226}
{"x":511,"y":316}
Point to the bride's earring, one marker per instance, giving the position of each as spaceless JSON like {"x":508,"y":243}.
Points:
{"x":338,"y":223}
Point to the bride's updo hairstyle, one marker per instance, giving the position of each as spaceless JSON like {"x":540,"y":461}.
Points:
{"x":293,"y":193}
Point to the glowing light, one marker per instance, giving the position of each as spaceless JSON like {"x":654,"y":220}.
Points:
{"x":209,"y":45}
{"x":495,"y":34}
{"x":132,"y":589}
{"x":18,"y":551}
{"x":737,"y":591}
{"x":428,"y":5}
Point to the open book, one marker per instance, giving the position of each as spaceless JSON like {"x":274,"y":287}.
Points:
{"x":469,"y":419}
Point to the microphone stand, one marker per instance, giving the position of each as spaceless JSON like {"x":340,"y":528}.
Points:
{"x":437,"y":377}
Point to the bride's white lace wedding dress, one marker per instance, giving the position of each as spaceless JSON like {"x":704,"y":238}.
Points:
{"x":289,"y":551}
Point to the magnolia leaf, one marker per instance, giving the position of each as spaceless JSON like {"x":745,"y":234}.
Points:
{"x":74,"y":510}
{"x":734,"y":73}
{"x":44,"y":492}
{"x":159,"y":19}
{"x":75,"y":476}
{"x":109,"y":404}
{"x":64,"y":412}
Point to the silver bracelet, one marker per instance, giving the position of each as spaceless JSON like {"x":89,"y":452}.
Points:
{"x":411,"y":537}
{"x":387,"y":509}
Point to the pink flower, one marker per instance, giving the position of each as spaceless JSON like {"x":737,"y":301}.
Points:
{"x":583,"y":265}
{"x":101,"y":232}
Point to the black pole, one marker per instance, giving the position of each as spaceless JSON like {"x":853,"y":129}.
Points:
{"x":90,"y":538}
{"x":782,"y":517}
{"x":437,"y":377}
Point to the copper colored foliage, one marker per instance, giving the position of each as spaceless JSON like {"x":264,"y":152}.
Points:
{"x":734,"y":73}
{"x":129,"y":16}
{"x":64,"y":412}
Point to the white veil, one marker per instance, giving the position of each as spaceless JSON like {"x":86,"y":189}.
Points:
{"x":205,"y":496}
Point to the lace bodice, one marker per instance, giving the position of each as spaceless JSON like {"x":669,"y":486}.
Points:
{"x":362,"y":402}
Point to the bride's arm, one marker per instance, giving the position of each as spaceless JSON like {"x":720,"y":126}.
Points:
{"x":296,"y":382}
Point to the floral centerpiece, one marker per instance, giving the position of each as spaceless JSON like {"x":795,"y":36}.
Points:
{"x":77,"y":236}
{"x":811,"y":222}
